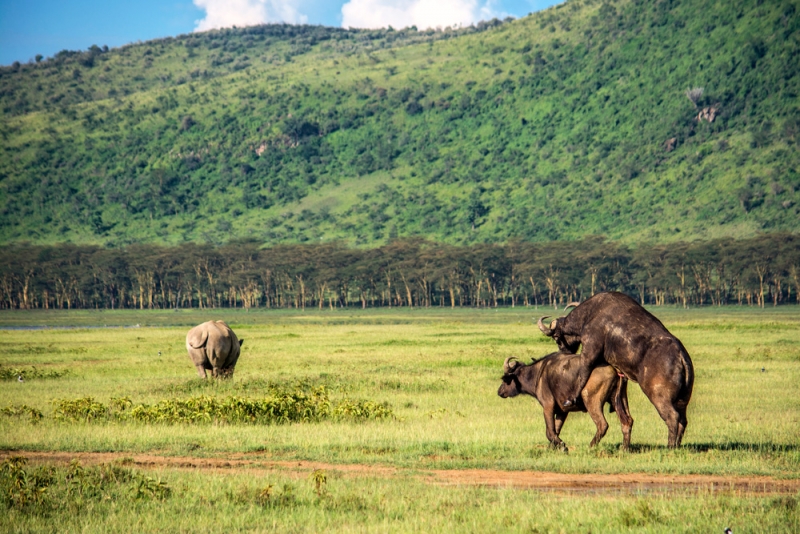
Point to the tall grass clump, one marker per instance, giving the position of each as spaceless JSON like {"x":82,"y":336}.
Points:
{"x":29,"y":373}
{"x":287,"y":406}
{"x":18,"y":410}
{"x":47,"y":489}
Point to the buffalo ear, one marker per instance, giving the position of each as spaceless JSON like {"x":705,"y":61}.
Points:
{"x":241,"y":342}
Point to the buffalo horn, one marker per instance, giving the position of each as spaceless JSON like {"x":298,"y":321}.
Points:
{"x":545,"y":330}
{"x":507,"y":369}
{"x":571,"y":305}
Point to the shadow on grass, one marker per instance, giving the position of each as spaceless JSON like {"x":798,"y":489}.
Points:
{"x":728,"y":446}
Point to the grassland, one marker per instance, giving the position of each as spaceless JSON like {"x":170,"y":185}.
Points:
{"x":439,"y":371}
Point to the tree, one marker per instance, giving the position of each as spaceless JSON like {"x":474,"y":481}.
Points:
{"x":694,"y":95}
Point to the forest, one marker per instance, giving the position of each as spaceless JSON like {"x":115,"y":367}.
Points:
{"x":763,"y":271}
{"x":662,"y":122}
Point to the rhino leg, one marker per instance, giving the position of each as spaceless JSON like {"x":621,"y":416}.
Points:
{"x":201,"y":370}
{"x":224,"y":373}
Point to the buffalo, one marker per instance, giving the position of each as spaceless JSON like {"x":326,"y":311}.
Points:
{"x":615,"y":328}
{"x":550,"y":379}
{"x":213,"y":347}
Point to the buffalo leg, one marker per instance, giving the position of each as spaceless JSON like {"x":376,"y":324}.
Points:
{"x":596,"y":413}
{"x":682,"y":422}
{"x":550,"y":423}
{"x":560,"y":418}
{"x":668,"y":413}
{"x":671,"y":417}
{"x":590,"y":353}
{"x":623,"y":412}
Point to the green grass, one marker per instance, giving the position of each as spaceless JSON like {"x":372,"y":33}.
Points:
{"x":439,"y":371}
{"x":180,"y":501}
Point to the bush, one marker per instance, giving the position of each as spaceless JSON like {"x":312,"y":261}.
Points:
{"x":85,"y":409}
{"x":22,"y":489}
{"x":28,"y":373}
{"x":295,"y":406}
{"x":43,"y":489}
{"x":360,"y":410}
{"x":13,"y":410}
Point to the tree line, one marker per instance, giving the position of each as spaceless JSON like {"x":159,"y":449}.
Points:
{"x":409,"y":272}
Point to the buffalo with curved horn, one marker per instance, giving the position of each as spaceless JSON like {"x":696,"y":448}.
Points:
{"x":615,"y":328}
{"x":549,"y":379}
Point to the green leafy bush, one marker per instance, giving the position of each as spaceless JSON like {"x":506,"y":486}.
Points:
{"x":14,"y":410}
{"x":359,"y":410}
{"x":45,"y":489}
{"x":30,"y":373}
{"x":22,"y":488}
{"x":281,"y":407}
{"x":83,"y":409}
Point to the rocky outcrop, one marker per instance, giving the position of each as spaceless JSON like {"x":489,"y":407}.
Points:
{"x":707,"y":114}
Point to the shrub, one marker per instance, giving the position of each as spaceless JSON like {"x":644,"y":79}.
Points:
{"x":150,"y":488}
{"x":22,"y":489}
{"x":29,"y":373}
{"x":45,"y":488}
{"x":84,"y":409}
{"x":283,"y":406}
{"x":360,"y":410}
{"x":13,"y":410}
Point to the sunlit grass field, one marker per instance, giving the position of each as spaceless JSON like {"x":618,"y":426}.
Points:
{"x":439,"y":371}
{"x":233,"y":502}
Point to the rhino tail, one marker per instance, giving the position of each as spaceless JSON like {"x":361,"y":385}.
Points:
{"x":197,"y":337}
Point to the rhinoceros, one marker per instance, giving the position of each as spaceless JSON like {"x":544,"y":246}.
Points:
{"x":213,"y":346}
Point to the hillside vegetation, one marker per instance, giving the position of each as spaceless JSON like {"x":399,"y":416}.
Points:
{"x":575,"y":121}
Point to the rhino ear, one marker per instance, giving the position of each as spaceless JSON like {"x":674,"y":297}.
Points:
{"x":197,"y":337}
{"x":241,"y":342}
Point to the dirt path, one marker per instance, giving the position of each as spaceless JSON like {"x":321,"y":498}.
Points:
{"x":558,"y":482}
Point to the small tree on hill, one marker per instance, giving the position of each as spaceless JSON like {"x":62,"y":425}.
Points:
{"x":694,"y":95}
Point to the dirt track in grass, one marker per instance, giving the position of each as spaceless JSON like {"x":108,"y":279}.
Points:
{"x":544,"y":481}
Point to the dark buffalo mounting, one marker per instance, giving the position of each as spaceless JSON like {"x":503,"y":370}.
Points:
{"x":613,"y":328}
{"x":549,"y":381}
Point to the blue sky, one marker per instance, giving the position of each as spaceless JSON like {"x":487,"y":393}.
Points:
{"x":30,"y":27}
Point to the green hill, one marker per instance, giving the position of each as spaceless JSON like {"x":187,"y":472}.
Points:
{"x":570,"y":122}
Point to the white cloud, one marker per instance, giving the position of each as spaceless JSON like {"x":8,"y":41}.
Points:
{"x":227,"y":13}
{"x":419,"y":13}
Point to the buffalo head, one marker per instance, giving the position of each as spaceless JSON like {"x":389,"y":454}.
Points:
{"x":566,"y":342}
{"x":511,"y":386}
